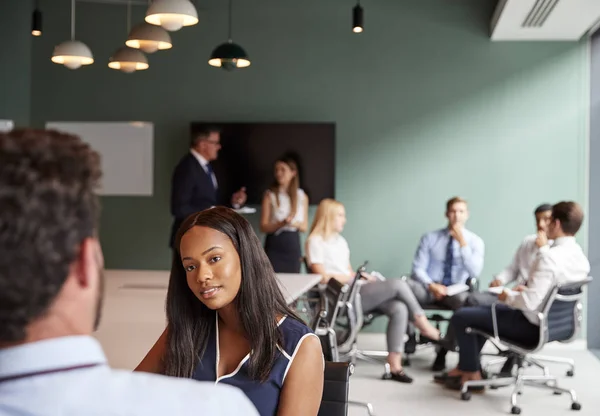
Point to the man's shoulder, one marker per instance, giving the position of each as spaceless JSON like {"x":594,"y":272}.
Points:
{"x":472,"y":236}
{"x":158,"y":389}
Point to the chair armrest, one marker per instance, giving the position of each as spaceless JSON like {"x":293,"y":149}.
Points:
{"x":495,"y":322}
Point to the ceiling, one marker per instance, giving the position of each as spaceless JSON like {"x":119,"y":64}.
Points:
{"x":566,"y":20}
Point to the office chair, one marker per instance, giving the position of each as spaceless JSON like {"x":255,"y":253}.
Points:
{"x":351,"y":320}
{"x":560,"y":320}
{"x":438,"y":315}
{"x":335,"y":389}
{"x":331,"y":303}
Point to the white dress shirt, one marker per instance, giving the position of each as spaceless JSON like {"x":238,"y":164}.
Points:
{"x":204,"y":163}
{"x":99,"y":390}
{"x":522,"y":261}
{"x":281,"y":211}
{"x":564,"y":262}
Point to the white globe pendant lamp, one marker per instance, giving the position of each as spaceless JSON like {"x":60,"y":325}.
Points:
{"x":126,"y":59}
{"x":72,"y":53}
{"x":149,"y":38}
{"x":172,"y":15}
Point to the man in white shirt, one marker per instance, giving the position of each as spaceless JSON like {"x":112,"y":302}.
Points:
{"x":517,"y":318}
{"x":51,"y":285}
{"x":518,"y":270}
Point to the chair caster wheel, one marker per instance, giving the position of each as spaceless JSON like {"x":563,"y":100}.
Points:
{"x":570,"y":373}
{"x":493,"y":387}
{"x":557,"y":393}
{"x":575,"y":406}
{"x":516,"y":410}
{"x":466,"y":396}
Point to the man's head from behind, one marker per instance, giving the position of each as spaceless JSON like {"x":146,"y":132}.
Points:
{"x":543,"y":214}
{"x":457,"y":211}
{"x":50,"y":261}
{"x":566,"y":219}
{"x":207,"y":142}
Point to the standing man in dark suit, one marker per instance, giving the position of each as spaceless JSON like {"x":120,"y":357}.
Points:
{"x":194,"y":185}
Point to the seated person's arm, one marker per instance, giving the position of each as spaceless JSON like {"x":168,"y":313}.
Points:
{"x":153,"y":361}
{"x":421,"y":262}
{"x":319,"y":269}
{"x":303,"y":385}
{"x":472,"y":257}
{"x":538,"y":285}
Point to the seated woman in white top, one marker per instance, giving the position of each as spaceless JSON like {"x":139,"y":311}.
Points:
{"x":329,"y":255}
{"x":284,"y":215}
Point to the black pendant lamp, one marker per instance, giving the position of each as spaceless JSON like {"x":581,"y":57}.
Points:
{"x":358,"y":18}
{"x":36,"y":21}
{"x":229,"y":55}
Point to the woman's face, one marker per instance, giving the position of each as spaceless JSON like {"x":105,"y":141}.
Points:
{"x":283,"y":173}
{"x":212,"y":266}
{"x":339,"y":219}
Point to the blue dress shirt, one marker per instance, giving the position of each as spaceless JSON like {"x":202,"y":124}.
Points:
{"x":429,"y":260}
{"x":99,"y":390}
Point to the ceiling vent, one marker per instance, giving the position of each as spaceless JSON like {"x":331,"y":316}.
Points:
{"x":539,"y":13}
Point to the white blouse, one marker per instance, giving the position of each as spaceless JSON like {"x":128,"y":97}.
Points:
{"x":283,"y":210}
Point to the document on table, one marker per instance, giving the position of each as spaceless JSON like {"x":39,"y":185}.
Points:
{"x":457,"y":288}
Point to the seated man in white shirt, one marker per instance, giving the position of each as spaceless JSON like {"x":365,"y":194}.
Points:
{"x":51,"y":295}
{"x":517,"y":318}
{"x":518,"y":271}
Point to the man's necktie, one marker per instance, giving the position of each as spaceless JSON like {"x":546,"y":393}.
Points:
{"x":211,"y":174}
{"x":447,"y":280}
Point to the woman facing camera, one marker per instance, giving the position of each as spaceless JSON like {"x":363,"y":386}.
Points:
{"x":284,"y":214}
{"x":329,"y":255}
{"x":228,"y":322}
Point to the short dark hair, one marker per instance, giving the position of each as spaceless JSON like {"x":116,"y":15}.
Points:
{"x":570,"y":215}
{"x":48,"y":206}
{"x":258,"y":302}
{"x":202,"y":133}
{"x":455,"y":200}
{"x":543,"y":208}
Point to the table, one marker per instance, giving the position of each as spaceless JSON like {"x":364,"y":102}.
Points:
{"x":133,"y":313}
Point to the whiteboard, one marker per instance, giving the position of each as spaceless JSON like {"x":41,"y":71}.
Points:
{"x":6,"y":126}
{"x":126,"y":150}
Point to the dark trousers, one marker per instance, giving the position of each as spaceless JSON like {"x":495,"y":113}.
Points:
{"x":284,"y":251}
{"x":512,"y":325}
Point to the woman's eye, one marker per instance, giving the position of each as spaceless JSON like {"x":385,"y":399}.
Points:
{"x":190,"y":268}
{"x":215,"y":259}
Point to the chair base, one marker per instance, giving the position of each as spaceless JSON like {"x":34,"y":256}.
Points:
{"x":367,"y":406}
{"x":519,"y":381}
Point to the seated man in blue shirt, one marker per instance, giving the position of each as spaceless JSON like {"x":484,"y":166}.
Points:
{"x":51,"y":286}
{"x":446,"y":257}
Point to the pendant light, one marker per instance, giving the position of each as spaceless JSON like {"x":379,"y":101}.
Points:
{"x":72,"y":53}
{"x":358,"y":18}
{"x":128,"y":59}
{"x":229,"y":55}
{"x":149,"y":38}
{"x":36,"y":20}
{"x":172,"y":14}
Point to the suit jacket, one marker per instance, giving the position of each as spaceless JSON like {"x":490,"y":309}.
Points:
{"x":192,"y":190}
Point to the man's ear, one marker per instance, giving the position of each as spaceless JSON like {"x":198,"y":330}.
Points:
{"x":86,"y":267}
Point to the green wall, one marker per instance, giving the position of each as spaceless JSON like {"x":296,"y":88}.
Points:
{"x":15,"y":60}
{"x":426,"y":107}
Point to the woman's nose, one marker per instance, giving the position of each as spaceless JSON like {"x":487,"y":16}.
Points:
{"x":204,"y":274}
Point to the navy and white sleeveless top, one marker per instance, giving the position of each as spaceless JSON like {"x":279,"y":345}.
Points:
{"x":264,"y":396}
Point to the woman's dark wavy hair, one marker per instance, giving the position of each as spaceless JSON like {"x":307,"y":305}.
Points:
{"x":190,"y":322}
